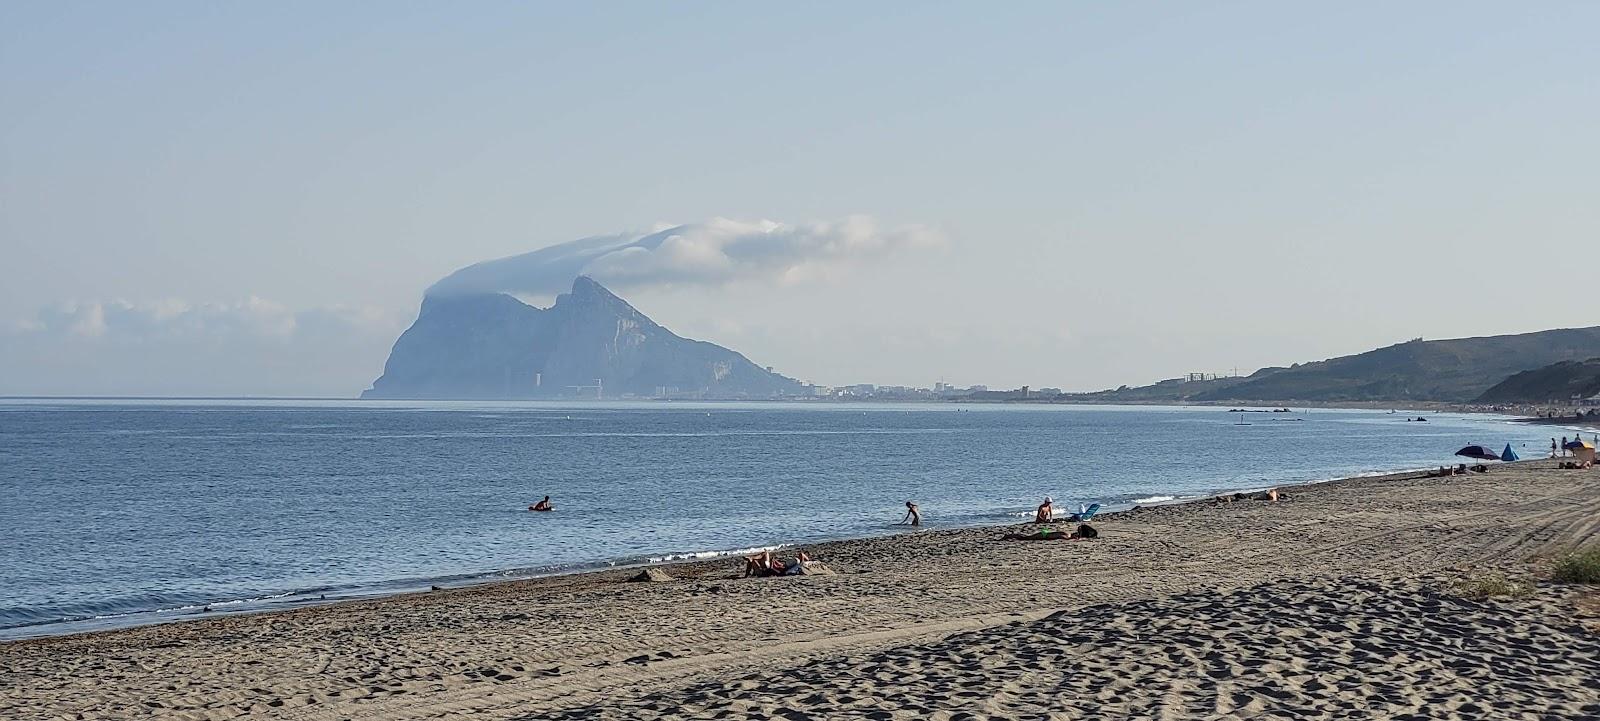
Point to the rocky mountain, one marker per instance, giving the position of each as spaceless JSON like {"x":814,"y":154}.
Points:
{"x":1456,"y":370}
{"x":1560,"y":382}
{"x":589,"y":343}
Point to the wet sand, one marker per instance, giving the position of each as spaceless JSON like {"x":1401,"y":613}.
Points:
{"x":1334,"y":603}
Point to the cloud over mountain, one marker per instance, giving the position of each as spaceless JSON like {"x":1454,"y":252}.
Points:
{"x":715,"y":252}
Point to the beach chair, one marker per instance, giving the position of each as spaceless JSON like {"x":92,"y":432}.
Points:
{"x":1084,"y":515}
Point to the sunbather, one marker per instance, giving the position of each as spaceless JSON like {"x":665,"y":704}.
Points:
{"x":793,"y":568}
{"x":762,"y":564}
{"x":1083,"y":532}
{"x":766,"y":564}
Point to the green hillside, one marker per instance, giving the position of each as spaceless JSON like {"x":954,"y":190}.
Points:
{"x":1555,"y":382}
{"x":1458,"y":370}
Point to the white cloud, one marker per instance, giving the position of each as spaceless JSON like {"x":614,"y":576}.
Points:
{"x":715,"y":252}
{"x":171,"y":319}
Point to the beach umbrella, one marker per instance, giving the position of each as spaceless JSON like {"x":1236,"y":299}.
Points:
{"x":1508,"y":454}
{"x":1479,"y":452}
{"x":1575,"y":444}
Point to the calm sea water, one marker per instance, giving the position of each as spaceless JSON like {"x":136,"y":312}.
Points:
{"x":126,"y":513}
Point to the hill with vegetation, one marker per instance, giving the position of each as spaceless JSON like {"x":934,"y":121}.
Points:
{"x":1560,"y":382}
{"x":1458,"y":370}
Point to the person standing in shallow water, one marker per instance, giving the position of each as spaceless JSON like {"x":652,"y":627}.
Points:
{"x":912,"y":514}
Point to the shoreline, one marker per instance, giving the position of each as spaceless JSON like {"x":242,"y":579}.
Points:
{"x":380,"y":591}
{"x":591,"y":643}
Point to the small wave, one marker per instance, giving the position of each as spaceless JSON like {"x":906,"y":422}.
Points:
{"x":1154,"y":499}
{"x":701,"y":555}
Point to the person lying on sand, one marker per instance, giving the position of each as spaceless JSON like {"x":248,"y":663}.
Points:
{"x":794,"y":567}
{"x":1083,"y":533}
{"x":766,"y":564}
{"x":543,"y":505}
{"x":760,"y":564}
{"x":1046,"y":512}
{"x":912,"y":514}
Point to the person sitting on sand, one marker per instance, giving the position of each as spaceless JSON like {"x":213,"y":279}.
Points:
{"x":912,"y":514}
{"x":543,"y":505}
{"x":1046,"y":512}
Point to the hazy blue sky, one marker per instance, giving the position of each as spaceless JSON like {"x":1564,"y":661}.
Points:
{"x":251,"y":198}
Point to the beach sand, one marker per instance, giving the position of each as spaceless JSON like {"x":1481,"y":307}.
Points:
{"x":1336,"y":603}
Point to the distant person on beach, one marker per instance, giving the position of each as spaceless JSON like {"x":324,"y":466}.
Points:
{"x":912,"y":514}
{"x":1046,"y":512}
{"x":1552,"y":448}
{"x":1563,"y":445}
{"x":543,"y":505}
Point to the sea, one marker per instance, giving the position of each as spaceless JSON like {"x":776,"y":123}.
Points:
{"x":122,"y":513}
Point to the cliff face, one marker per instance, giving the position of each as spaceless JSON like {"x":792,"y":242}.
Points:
{"x":495,"y":346}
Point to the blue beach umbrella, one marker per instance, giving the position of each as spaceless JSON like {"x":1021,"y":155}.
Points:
{"x":1508,"y":454}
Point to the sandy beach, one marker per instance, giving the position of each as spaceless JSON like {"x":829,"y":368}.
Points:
{"x":1338,"y":602}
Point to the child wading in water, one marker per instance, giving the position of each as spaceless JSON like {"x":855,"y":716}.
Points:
{"x":912,"y":515}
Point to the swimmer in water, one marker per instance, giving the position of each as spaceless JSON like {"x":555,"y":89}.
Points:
{"x":543,"y":505}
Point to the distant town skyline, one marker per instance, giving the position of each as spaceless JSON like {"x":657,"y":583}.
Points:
{"x":252,"y":200}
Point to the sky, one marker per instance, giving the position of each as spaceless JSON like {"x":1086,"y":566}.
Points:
{"x":251,"y":199}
